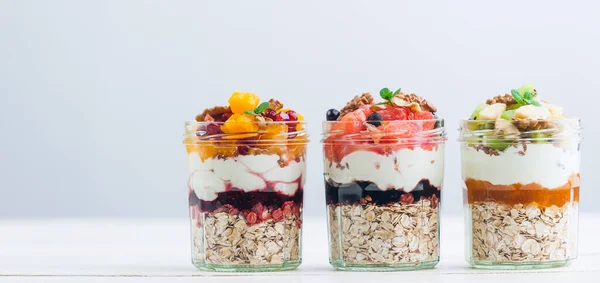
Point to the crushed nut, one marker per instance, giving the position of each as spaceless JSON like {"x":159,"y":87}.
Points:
{"x":409,"y":99}
{"x":214,"y":112}
{"x":355,"y":103}
{"x":275,"y":104}
{"x":506,"y":99}
{"x":533,"y":125}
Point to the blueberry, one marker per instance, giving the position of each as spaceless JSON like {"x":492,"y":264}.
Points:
{"x":332,"y":114}
{"x":375,"y":119}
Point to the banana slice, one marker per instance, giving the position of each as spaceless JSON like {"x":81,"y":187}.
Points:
{"x":492,"y":112}
{"x":531,"y":112}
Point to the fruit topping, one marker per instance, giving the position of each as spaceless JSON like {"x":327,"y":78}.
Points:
{"x":531,"y":112}
{"x":492,"y":112}
{"x":375,"y":119}
{"x":214,"y":112}
{"x":332,"y":114}
{"x":475,"y":115}
{"x":240,"y":123}
{"x":520,"y":114}
{"x":248,"y":127}
{"x":362,"y":123}
{"x":282,"y":117}
{"x":243,"y":101}
{"x":270,"y":113}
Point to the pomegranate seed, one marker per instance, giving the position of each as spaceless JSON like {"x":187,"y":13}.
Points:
{"x":221,"y":209}
{"x":201,"y":130}
{"x":270,"y":113}
{"x":243,"y":149}
{"x":213,"y":129}
{"x":293,"y":115}
{"x":264,"y":215}
{"x":287,"y":209}
{"x":291,"y":129}
{"x":233,"y":211}
{"x":277,"y":214}
{"x":251,"y":218}
{"x":258,"y":208}
{"x":225,"y":117}
{"x":282,"y":117}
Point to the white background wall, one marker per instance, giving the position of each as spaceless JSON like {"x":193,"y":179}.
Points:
{"x":94,"y":93}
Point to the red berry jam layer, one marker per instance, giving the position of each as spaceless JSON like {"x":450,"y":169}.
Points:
{"x":368,"y":192}
{"x":255,"y":206}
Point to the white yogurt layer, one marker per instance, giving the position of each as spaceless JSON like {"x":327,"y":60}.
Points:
{"x":402,"y":170}
{"x":544,"y":164}
{"x":249,"y":173}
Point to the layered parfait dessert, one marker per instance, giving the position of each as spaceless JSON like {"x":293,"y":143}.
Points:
{"x":246,"y":175}
{"x":384,"y":166}
{"x":520,"y":167}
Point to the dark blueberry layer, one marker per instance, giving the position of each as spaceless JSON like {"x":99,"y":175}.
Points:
{"x":352,"y":193}
{"x":246,"y":200}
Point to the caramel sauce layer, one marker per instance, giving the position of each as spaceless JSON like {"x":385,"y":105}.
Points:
{"x":479,"y":191}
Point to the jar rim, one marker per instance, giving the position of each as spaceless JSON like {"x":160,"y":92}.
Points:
{"x":409,"y":132}
{"x":543,"y":130}
{"x":193,"y":135}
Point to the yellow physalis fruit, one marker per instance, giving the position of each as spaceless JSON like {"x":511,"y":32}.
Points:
{"x":240,"y":123}
{"x":241,"y":101}
{"x":299,"y":127}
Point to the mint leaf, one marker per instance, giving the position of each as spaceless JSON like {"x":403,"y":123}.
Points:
{"x":249,"y":112}
{"x":397,"y":91}
{"x":517,"y":96}
{"x":527,"y":95}
{"x":385,"y":93}
{"x":535,"y":103}
{"x":261,"y":108}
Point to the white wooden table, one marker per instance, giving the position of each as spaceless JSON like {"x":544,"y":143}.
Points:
{"x":146,"y":250}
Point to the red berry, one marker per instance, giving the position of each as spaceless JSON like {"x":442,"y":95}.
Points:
{"x":243,"y":149}
{"x":251,"y":218}
{"x":293,"y":116}
{"x":225,"y":117}
{"x":277,"y":214}
{"x":213,"y":129}
{"x":287,"y":209}
{"x":201,"y":130}
{"x":264,"y":215}
{"x":258,"y":208}
{"x":270,"y":113}
{"x":282,"y":117}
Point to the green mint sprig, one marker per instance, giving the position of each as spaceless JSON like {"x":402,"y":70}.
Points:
{"x":524,"y":99}
{"x":258,"y":110}
{"x":387,"y":95}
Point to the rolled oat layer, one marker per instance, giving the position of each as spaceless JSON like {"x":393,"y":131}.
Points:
{"x":384,"y":234}
{"x":229,"y":239}
{"x":518,"y":233}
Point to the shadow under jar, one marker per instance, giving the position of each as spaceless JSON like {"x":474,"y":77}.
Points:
{"x":383,"y":192}
{"x":246,"y":196}
{"x":521,"y":192}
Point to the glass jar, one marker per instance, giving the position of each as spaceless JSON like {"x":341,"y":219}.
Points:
{"x":521,"y":192}
{"x":383,"y":191}
{"x":245,"y":195}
